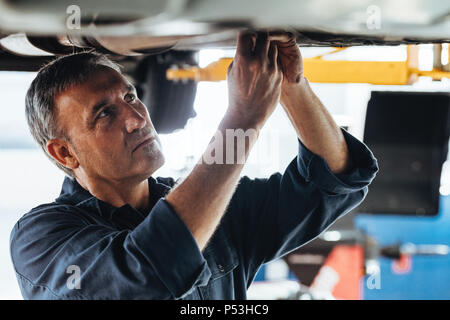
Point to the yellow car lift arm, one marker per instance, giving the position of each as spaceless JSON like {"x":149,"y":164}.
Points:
{"x":331,"y":71}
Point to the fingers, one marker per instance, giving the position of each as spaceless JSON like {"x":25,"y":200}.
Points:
{"x":283,"y":39}
{"x":257,"y":44}
{"x":262,"y":45}
{"x":273,"y":54}
{"x":245,"y":44}
{"x":281,"y":36}
{"x":258,"y":47}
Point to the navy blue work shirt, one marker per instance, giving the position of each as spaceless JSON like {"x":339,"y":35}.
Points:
{"x":120,"y":253}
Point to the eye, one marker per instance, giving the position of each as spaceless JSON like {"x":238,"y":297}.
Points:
{"x":104,"y":113}
{"x":130,"y":97}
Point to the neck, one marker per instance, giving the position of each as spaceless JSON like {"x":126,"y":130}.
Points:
{"x":119,"y":193}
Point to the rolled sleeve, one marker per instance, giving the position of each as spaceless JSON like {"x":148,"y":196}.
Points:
{"x":314,"y":168}
{"x":174,"y":253}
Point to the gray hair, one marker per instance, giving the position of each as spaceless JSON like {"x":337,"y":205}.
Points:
{"x":52,"y":79}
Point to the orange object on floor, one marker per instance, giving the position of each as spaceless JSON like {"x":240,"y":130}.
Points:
{"x":341,"y":273}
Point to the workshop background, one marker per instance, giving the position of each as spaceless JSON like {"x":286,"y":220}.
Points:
{"x":29,"y":179}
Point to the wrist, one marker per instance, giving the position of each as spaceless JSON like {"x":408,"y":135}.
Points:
{"x":236,"y":119}
{"x":294,"y":93}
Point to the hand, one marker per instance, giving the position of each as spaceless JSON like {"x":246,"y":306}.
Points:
{"x":254,"y":79}
{"x":289,"y":56}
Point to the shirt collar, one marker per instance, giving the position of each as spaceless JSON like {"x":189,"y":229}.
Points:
{"x":72,"y":193}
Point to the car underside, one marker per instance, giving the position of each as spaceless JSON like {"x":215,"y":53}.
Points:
{"x":33,"y":30}
{"x":147,"y":37}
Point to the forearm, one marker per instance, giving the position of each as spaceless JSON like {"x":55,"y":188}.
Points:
{"x":315,"y":126}
{"x":202,"y":198}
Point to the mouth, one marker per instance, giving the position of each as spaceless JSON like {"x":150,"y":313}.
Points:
{"x":144,"y":142}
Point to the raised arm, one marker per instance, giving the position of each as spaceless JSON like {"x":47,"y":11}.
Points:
{"x":314,"y":125}
{"x":254,"y":83}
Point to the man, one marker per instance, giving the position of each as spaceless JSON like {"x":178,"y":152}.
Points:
{"x":115,"y":232}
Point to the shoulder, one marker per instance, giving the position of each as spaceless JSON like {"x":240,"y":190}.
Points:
{"x":45,"y":219}
{"x":50,"y":211}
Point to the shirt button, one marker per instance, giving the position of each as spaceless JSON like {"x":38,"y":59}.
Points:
{"x":220,"y":268}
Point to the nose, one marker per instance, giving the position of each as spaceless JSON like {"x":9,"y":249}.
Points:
{"x":134,"y":120}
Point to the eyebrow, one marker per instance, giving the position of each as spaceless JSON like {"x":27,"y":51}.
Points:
{"x":130,"y":87}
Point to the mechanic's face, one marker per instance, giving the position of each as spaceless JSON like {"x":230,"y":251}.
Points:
{"x":110,"y":131}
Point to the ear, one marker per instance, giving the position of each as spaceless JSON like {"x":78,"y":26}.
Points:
{"x":61,"y":152}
